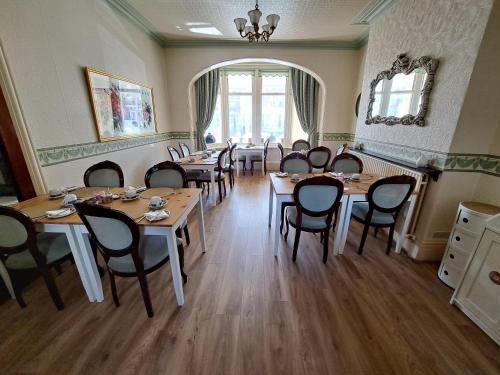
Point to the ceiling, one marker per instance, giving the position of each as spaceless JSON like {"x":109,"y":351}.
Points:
{"x":305,"y":20}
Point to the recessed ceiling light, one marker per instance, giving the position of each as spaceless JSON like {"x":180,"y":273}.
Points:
{"x":205,"y":30}
{"x":197,"y":24}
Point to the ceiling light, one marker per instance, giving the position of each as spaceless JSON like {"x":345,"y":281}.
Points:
{"x":252,"y":32}
{"x":205,"y":30}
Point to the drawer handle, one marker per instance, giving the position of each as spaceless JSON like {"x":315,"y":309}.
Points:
{"x":457,"y":238}
{"x":465,"y":220}
{"x":452,"y":256}
{"x":495,"y":277}
{"x":445,"y":272}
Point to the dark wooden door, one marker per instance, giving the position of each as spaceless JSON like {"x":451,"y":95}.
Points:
{"x":13,"y":155}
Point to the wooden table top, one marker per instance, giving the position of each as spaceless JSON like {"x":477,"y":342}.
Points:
{"x":284,"y":186}
{"x":177,"y":201}
{"x":198,"y":160}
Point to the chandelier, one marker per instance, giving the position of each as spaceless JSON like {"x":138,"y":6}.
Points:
{"x":252,"y":32}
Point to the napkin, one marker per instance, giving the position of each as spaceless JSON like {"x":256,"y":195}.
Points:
{"x":58,"y":212}
{"x":156,"y":215}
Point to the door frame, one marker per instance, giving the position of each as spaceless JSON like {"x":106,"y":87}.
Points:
{"x":20,"y":152}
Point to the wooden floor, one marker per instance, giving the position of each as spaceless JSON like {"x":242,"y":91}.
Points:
{"x":249,"y":313}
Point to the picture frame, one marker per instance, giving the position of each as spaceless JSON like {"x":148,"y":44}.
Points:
{"x":122,"y":108}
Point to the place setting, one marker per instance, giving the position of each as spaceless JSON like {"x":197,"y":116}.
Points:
{"x":156,"y":211}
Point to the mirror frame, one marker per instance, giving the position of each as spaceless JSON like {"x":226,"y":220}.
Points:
{"x":405,"y":66}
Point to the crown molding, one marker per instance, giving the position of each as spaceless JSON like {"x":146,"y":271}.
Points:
{"x":129,"y":12}
{"x":373,"y":10}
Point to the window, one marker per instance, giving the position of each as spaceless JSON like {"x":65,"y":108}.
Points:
{"x":255,"y":104}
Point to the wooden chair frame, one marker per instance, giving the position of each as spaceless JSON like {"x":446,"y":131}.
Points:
{"x":342,"y":149}
{"x":347,"y":156}
{"x":171,"y":151}
{"x":300,"y":141}
{"x":87,"y":208}
{"x":106,"y":164}
{"x":314,"y":181}
{"x":402,"y":179}
{"x":320,"y":149}
{"x":40,"y":259}
{"x":252,"y":162}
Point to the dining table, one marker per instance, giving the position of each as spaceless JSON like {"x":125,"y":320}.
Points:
{"x":199,"y":163}
{"x":281,"y":190}
{"x":179,"y":203}
{"x":248,"y":151}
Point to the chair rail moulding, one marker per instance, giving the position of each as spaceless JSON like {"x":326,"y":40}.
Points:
{"x":61,"y":154}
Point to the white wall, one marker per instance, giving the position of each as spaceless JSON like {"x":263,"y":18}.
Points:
{"x":47,"y":45}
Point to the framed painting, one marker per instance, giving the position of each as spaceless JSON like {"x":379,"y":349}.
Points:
{"x":122,"y":108}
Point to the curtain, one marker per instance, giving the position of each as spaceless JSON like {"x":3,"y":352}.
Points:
{"x":305,"y":91}
{"x":205,"y":91}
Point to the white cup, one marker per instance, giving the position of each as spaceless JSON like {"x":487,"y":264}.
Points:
{"x":131,"y":193}
{"x":295,"y":177}
{"x":355,"y":176}
{"x":155,"y":201}
{"x":55,"y":192}
{"x":70,"y":198}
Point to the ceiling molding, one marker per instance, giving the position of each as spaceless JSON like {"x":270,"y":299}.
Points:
{"x":373,"y":10}
{"x":129,"y":12}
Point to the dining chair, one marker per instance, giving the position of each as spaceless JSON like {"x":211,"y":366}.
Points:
{"x":282,"y":151}
{"x":22,"y":248}
{"x":258,"y":158}
{"x":316,"y":200}
{"x":229,"y":166}
{"x":184,"y":149}
{"x":219,"y":173}
{"x":386,"y":197}
{"x":301,"y":144}
{"x":104,"y":174}
{"x":126,"y":253}
{"x":294,"y":162}
{"x":319,"y":157}
{"x":342,"y":148}
{"x":171,"y":175}
{"x":241,"y":159}
{"x":347,"y":163}
{"x":174,"y":154}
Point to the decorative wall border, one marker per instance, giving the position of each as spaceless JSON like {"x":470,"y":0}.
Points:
{"x":449,"y":162}
{"x":62,"y":154}
{"x":336,"y":137}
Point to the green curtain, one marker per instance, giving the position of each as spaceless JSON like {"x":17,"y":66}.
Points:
{"x":305,"y":91}
{"x":205,"y":91}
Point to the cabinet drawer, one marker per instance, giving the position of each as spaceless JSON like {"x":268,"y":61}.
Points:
{"x":462,"y":240}
{"x":469,"y":221}
{"x":456,"y":258}
{"x":449,"y":275}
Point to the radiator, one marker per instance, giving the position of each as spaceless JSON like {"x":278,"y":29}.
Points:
{"x":374,"y":165}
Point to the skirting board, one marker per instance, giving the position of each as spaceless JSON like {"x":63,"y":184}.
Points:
{"x":425,"y":251}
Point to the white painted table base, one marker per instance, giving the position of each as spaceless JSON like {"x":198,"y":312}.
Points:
{"x":248,"y":151}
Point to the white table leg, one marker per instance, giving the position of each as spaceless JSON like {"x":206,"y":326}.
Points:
{"x":212,"y":183}
{"x":87,"y":262}
{"x":345,"y":225}
{"x":271,"y":190}
{"x":339,"y":230}
{"x":262,"y":167}
{"x":175,"y":265}
{"x":406,"y":224}
{"x":201,"y":223}
{"x":277,"y":222}
{"x":4,"y":274}
{"x":237,"y":162}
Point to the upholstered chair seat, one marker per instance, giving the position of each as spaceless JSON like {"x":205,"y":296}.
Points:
{"x":308,"y":222}
{"x":360,"y":211}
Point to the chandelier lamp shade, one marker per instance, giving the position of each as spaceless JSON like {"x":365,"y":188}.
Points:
{"x":252,"y":32}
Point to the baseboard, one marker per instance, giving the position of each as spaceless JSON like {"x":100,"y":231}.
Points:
{"x":424,"y":251}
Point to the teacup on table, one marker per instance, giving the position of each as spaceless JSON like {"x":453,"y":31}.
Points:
{"x":295,"y":177}
{"x":355,"y":177}
{"x":70,"y":199}
{"x":155,"y":202}
{"x":131,"y":193}
{"x":55,"y":193}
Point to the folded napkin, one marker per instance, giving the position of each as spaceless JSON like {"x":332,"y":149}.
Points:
{"x":58,"y":212}
{"x":157,"y":215}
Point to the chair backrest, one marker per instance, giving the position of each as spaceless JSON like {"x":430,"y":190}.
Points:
{"x":282,"y":152}
{"x":184,"y":149}
{"x":174,"y":154}
{"x":231,"y":153}
{"x":318,"y":196}
{"x":104,"y":174}
{"x":295,"y":162}
{"x":17,"y":233}
{"x":300,"y":144}
{"x":222,"y":160}
{"x":390,"y":194}
{"x":229,"y":142}
{"x":319,"y":157}
{"x":166,"y":174}
{"x":266,"y":146}
{"x":341,"y":149}
{"x":113,"y":232}
{"x":347,"y":163}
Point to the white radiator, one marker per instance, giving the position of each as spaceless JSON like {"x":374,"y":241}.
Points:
{"x":374,"y":165}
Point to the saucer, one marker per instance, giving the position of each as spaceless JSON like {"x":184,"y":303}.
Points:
{"x":281,"y":174}
{"x":69,"y":205}
{"x":52,"y":197}
{"x":61,"y":213}
{"x":126,"y":199}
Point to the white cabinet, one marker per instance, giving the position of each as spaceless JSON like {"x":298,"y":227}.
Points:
{"x":478,"y":291}
{"x":469,"y":223}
